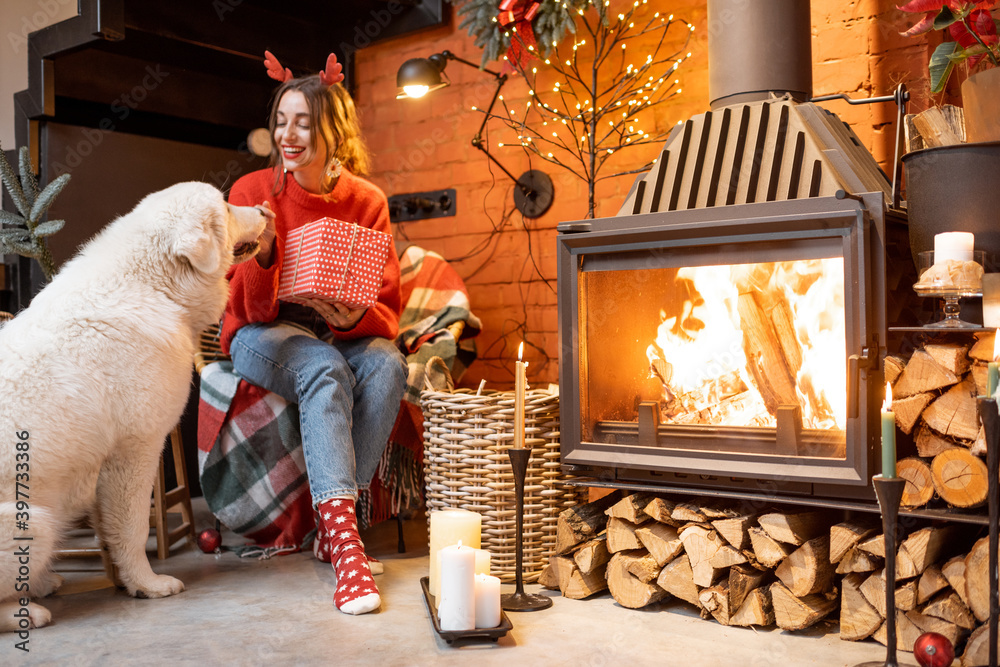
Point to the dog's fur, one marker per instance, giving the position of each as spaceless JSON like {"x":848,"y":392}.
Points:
{"x":94,"y":375}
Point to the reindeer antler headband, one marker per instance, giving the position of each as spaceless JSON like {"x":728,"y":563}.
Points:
{"x":334,"y":72}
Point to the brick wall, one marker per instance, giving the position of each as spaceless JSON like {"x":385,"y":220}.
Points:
{"x":508,"y":262}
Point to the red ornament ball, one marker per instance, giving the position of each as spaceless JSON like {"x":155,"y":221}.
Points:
{"x":933,"y":650}
{"x":209,"y":540}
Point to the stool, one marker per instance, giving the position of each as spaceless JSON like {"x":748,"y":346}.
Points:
{"x":175,"y":501}
{"x":163,"y":503}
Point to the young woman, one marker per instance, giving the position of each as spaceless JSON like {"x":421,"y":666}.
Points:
{"x":339,"y":365}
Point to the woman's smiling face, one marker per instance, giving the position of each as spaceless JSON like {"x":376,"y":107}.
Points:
{"x":301,"y":146}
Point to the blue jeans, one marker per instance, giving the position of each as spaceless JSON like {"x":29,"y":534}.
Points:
{"x":348,"y":393}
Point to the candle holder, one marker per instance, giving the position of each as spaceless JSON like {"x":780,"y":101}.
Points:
{"x":990,"y":419}
{"x":889,"y":492}
{"x":519,"y":600}
{"x":938,"y":283}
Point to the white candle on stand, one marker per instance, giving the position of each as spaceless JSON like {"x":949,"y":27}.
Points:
{"x":449,"y":527}
{"x":487,"y":601}
{"x":520,"y":385}
{"x":457,"y":604}
{"x":953,"y":245}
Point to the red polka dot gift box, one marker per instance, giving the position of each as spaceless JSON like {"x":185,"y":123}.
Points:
{"x":334,"y":261}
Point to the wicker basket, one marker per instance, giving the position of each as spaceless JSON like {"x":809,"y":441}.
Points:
{"x":466,"y":437}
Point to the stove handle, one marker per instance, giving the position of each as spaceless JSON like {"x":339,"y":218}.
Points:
{"x":855,"y":363}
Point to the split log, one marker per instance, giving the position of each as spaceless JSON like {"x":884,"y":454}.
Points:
{"x":727,"y":556}
{"x":959,"y":477}
{"x":685,"y":513}
{"x":792,"y":613}
{"x":582,"y":585}
{"x":845,"y":536}
{"x":875,"y":545}
{"x":593,"y":554}
{"x":807,"y":570}
{"x":715,"y":600}
{"x":662,"y":541}
{"x":906,"y":596}
{"x":661,"y":509}
{"x":768,"y":552}
{"x":977,"y":649}
{"x":919,"y":488}
{"x":677,"y":578}
{"x":982,"y":350}
{"x":940,"y":126}
{"x":631,"y":508}
{"x":977,"y":579}
{"x":948,"y":606}
{"x":951,"y":356}
{"x":930,"y":444}
{"x":755,"y":610}
{"x":621,"y":535}
{"x":873,"y":588}
{"x":921,"y":549}
{"x":578,"y":524}
{"x":701,"y":545}
{"x":954,"y":572}
{"x":922,"y":374}
{"x":736,"y":530}
{"x":562,"y":569}
{"x":927,"y":623}
{"x":644,"y":567}
{"x":627,"y":589}
{"x":548,"y":577}
{"x":795,"y":528}
{"x":932,"y":581}
{"x":857,"y":560}
{"x":980,"y":377}
{"x":954,"y":412}
{"x":858,"y":618}
{"x":906,"y":633}
{"x":743,"y":580}
{"x":908,"y":410}
{"x":893,"y":367}
{"x":978,"y":447}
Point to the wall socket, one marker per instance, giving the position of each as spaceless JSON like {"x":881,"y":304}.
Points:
{"x":422,"y":205}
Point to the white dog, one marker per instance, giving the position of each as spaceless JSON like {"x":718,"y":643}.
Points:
{"x":94,"y":375}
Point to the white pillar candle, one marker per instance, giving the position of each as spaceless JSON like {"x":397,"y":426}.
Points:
{"x":457,"y":604}
{"x":482,"y":561}
{"x":953,"y":245}
{"x":487,"y":601}
{"x":449,"y":527}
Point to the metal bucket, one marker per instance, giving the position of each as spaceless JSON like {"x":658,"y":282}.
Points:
{"x":955,"y":189}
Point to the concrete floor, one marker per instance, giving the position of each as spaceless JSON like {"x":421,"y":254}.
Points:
{"x":248,"y":612}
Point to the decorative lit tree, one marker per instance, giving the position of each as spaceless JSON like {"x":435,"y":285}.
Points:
{"x":602,"y":87}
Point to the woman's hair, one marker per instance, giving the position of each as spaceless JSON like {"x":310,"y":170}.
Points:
{"x":332,"y":111}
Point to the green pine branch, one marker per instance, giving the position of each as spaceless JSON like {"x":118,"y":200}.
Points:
{"x":25,"y":234}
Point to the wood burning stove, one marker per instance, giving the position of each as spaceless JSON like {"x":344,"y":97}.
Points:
{"x":726,"y":329}
{"x":731,"y":347}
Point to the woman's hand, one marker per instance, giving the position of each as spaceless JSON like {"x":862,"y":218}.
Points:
{"x":337,"y":314}
{"x":266,"y":238}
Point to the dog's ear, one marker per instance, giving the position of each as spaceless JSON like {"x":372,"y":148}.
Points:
{"x":200,"y":243}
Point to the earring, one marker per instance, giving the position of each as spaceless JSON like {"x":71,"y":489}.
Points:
{"x":334,"y":168}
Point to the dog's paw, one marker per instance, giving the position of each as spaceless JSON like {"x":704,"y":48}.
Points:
{"x":160,"y":586}
{"x":39,"y":615}
{"x":48,"y":584}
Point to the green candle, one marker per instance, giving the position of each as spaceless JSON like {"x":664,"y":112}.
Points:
{"x":992,"y":374}
{"x":888,"y":436}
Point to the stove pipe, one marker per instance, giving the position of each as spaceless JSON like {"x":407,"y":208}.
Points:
{"x":758,"y":49}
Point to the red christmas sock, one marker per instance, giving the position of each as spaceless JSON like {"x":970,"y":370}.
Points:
{"x":356,"y":590}
{"x":321,"y":549}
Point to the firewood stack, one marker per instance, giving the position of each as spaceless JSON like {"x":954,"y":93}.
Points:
{"x":789,"y":568}
{"x":934,"y":400}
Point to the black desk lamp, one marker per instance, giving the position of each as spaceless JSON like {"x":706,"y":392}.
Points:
{"x":419,"y":76}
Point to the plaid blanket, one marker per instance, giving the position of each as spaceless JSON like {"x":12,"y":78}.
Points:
{"x":250,"y":460}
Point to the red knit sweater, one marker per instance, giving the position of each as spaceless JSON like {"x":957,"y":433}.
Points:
{"x":253,"y":290}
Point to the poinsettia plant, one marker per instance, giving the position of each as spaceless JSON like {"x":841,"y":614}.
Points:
{"x":972,"y":29}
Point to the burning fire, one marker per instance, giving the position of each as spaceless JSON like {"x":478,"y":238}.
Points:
{"x":750,"y":338}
